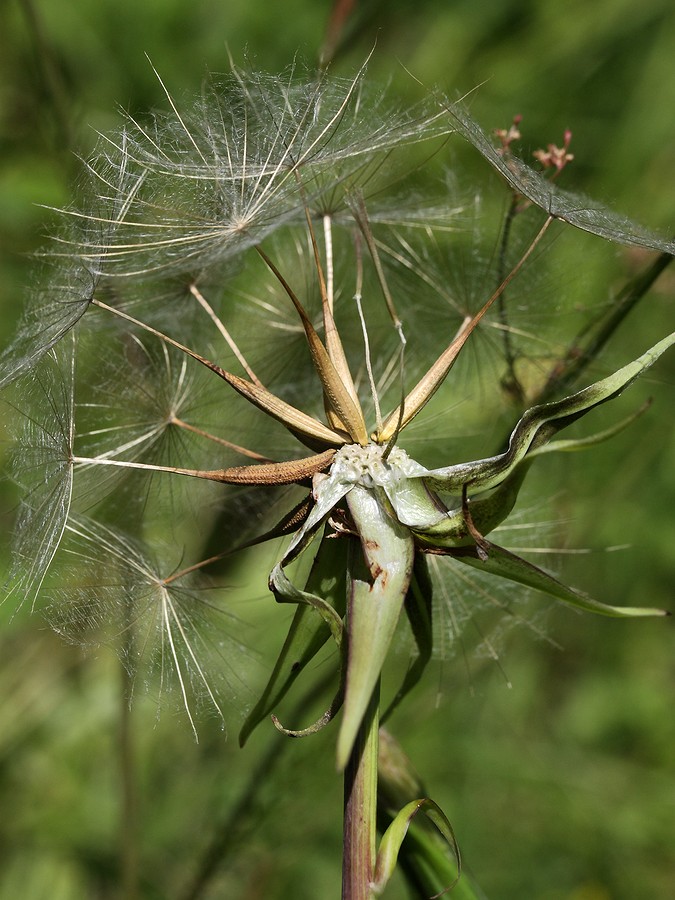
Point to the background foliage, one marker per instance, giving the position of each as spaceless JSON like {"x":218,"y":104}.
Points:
{"x":562,"y":786}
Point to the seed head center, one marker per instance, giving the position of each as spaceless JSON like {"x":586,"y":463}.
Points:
{"x":368,"y":467}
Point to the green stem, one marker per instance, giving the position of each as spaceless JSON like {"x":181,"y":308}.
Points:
{"x":49,"y":71}
{"x":510,"y":381}
{"x":359,"y":835}
{"x":129,"y":825}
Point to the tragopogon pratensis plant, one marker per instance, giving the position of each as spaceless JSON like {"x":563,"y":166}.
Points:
{"x":237,"y":339}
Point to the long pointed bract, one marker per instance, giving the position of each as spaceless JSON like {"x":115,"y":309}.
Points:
{"x":374,"y":606}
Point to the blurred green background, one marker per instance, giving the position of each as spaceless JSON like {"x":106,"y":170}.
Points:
{"x":561,"y":787}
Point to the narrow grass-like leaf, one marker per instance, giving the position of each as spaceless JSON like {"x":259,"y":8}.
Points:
{"x":574,"y":445}
{"x":508,"y":565}
{"x":308,"y":631}
{"x":393,"y":837}
{"x":539,"y":424}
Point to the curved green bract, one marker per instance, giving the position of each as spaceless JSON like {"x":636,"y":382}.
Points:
{"x":486,"y":514}
{"x":393,"y":505}
{"x":309,"y":630}
{"x":286,"y":592}
{"x":393,"y":837}
{"x":538,"y":425}
{"x":574,"y":445}
{"x":320,"y":723}
{"x":507,"y":565}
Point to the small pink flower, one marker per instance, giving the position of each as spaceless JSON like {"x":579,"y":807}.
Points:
{"x":508,"y":136}
{"x":555,"y":157}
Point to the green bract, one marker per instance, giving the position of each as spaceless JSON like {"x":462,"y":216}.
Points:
{"x":395,"y":508}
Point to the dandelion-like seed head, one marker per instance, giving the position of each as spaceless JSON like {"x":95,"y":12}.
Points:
{"x":252,"y":305}
{"x":193,"y":188}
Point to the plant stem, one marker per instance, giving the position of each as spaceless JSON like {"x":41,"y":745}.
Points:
{"x":585,"y":348}
{"x":360,"y":807}
{"x":129,"y":828}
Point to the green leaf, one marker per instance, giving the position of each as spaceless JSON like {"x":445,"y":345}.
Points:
{"x":286,"y":592}
{"x":392,"y":839}
{"x":426,"y":859}
{"x":308,"y":632}
{"x":574,"y":445}
{"x":538,"y":425}
{"x":486,"y":514}
{"x":374,"y":605}
{"x":430,"y":869}
{"x":418,"y":609}
{"x":507,"y":565}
